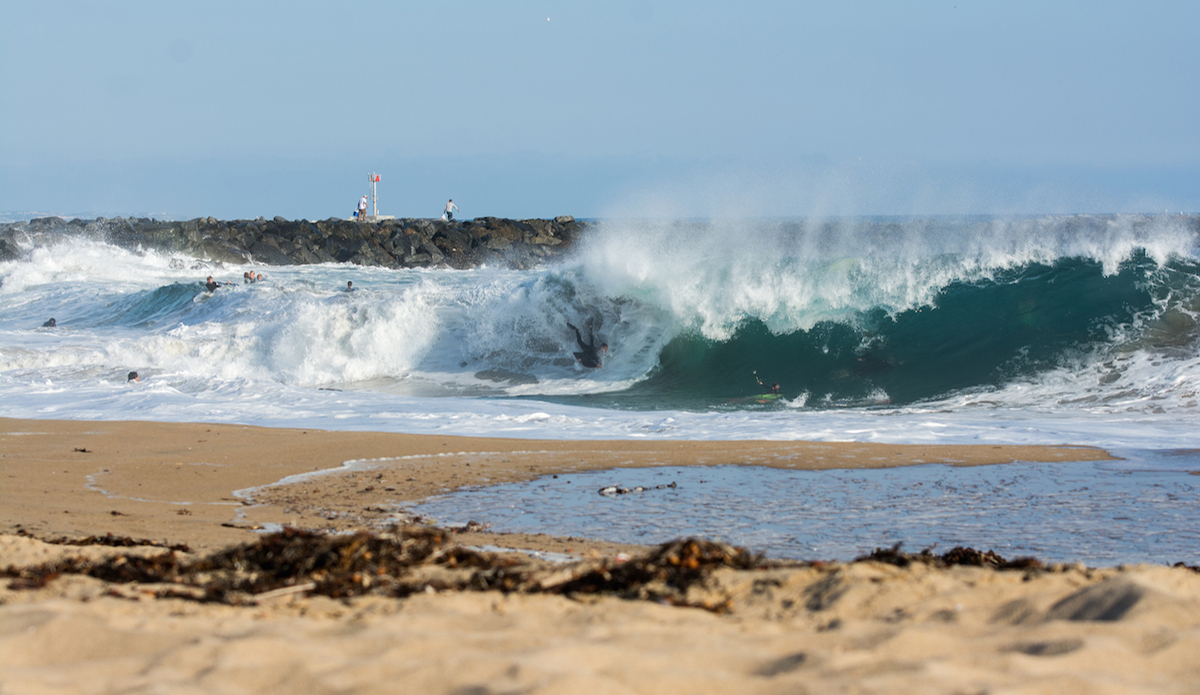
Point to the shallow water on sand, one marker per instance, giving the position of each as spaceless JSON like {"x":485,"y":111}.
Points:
{"x":1145,"y":509}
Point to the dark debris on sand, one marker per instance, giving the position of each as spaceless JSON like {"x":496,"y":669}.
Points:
{"x":108,"y":540}
{"x":404,"y":561}
{"x":955,"y":556}
{"x":412,"y":559}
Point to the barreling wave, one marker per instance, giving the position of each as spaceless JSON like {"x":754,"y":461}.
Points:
{"x":1069,"y":310}
{"x":971,"y":335}
{"x":902,"y":311}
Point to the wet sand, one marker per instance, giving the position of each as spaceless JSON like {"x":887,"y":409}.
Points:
{"x":177,"y":481}
{"x":865,"y":627}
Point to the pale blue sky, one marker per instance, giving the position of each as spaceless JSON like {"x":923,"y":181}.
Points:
{"x":627,"y":107}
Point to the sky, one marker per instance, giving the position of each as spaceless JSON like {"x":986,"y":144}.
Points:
{"x":642,"y":108}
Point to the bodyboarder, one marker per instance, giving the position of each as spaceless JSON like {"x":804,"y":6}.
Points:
{"x":212,"y":285}
{"x":774,"y":386}
{"x":589,"y":355}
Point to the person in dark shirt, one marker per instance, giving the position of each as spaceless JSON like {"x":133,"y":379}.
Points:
{"x":589,"y":354}
{"x":774,"y":386}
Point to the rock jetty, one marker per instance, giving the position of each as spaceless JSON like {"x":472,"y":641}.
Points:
{"x":396,"y":243}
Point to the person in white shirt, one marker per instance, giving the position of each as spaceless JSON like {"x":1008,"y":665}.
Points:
{"x":362,"y":209}
{"x":448,"y":213}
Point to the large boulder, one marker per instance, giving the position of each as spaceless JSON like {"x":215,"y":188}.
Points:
{"x":453,"y":241}
{"x":269,"y":253}
{"x":369,"y":252}
{"x":428,"y":247}
{"x":216,"y":249}
{"x":9,"y":251}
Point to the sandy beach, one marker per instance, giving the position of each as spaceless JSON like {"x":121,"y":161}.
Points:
{"x":798,"y":627}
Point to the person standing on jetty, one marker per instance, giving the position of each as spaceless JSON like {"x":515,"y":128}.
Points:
{"x":448,"y":213}
{"x":362,"y":209}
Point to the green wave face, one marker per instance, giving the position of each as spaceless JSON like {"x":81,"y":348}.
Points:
{"x":973,"y":335}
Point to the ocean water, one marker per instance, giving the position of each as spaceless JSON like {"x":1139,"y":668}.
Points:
{"x":1040,"y":330}
{"x":1081,"y":329}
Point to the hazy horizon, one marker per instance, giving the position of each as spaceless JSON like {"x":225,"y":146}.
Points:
{"x":538,"y":109}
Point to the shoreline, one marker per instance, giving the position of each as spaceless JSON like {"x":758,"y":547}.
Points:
{"x":208,"y":485}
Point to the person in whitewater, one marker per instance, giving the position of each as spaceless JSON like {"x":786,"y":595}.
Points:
{"x":589,"y":355}
{"x":774,"y":387}
{"x":211,"y":285}
{"x":50,"y":324}
{"x":133,"y":376}
{"x":448,"y":213}
{"x":349,"y":286}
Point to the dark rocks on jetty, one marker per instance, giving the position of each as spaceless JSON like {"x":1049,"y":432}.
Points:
{"x":396,"y":243}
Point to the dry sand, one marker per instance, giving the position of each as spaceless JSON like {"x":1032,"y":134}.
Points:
{"x":864,"y":627}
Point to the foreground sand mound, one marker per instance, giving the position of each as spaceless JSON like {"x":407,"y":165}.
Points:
{"x":263,"y":618}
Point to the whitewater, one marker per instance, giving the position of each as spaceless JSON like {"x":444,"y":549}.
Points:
{"x":1077,"y":330}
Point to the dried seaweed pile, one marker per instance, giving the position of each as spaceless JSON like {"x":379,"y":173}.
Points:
{"x":955,"y":556}
{"x":405,"y":561}
{"x":665,"y":574}
{"x":341,"y":566}
{"x":107,"y":540}
{"x":412,"y":559}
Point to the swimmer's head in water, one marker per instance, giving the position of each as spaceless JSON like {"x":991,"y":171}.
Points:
{"x":133,"y":376}
{"x":50,"y":324}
